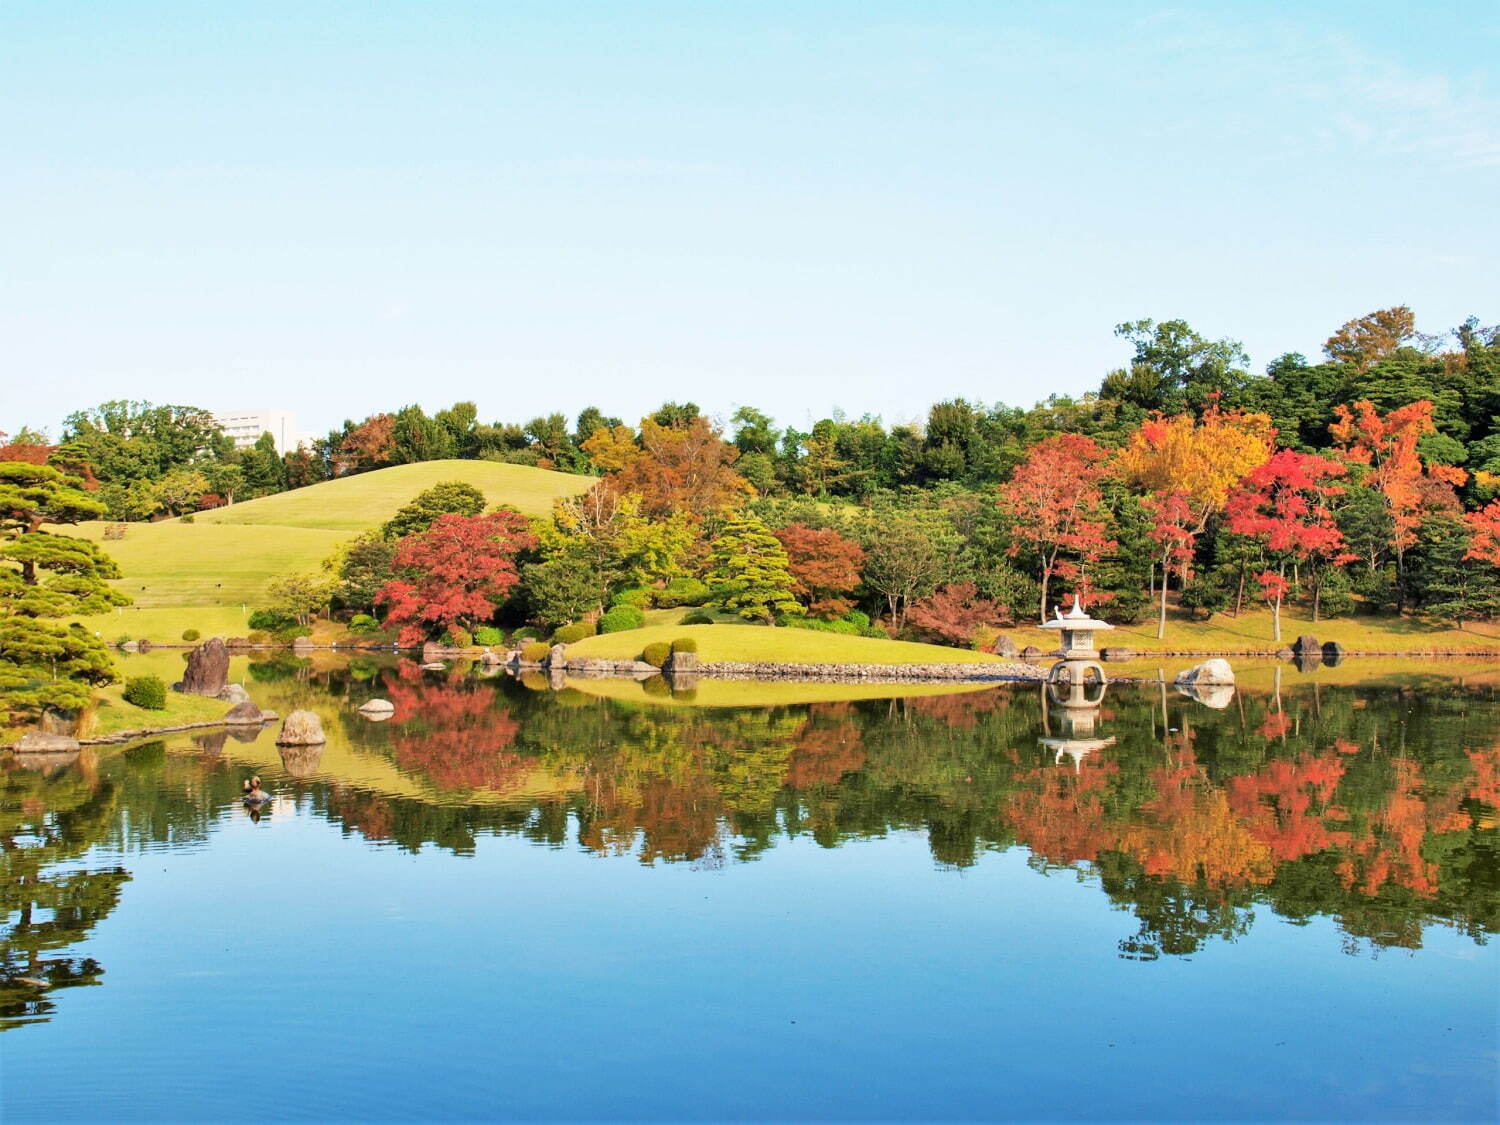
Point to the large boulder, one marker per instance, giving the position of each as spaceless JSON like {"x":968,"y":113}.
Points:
{"x":557,"y":657}
{"x":233,"y":693}
{"x":40,"y":742}
{"x":1031,"y":652}
{"x":301,"y":761}
{"x":1215,"y":671}
{"x":377,"y":709}
{"x":1116,"y":653}
{"x":1307,"y":645}
{"x":301,"y":728}
{"x":244,"y":713}
{"x":207,"y":669}
{"x":489,"y":658}
{"x":1004,"y":645}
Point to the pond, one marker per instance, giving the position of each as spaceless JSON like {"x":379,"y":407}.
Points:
{"x":746,"y":901}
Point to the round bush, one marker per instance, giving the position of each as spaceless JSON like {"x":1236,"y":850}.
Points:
{"x":147,"y":692}
{"x":459,"y":637}
{"x":683,"y":591}
{"x":638,"y":596}
{"x":258,"y":637}
{"x":656,"y":685}
{"x":191,"y":635}
{"x":656,"y":654}
{"x":685,"y":644}
{"x":858,"y":618}
{"x":488,"y":636}
{"x":535,"y":652}
{"x":572,"y":634}
{"x":698,"y":617}
{"x":621,"y":618}
{"x":526,"y":634}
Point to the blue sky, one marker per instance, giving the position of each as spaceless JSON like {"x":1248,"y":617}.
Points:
{"x":342,"y":208}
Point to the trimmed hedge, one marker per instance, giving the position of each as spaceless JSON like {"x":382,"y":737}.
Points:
{"x":685,"y":644}
{"x":535,"y":652}
{"x":620,"y":618}
{"x":698,"y":617}
{"x":146,"y":691}
{"x":638,"y":596}
{"x":656,"y":654}
{"x":458,"y":637}
{"x":572,"y":634}
{"x":191,"y":635}
{"x":488,"y":636}
{"x":363,"y":623}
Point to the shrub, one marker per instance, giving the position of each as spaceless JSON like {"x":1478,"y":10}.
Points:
{"x":458,"y":637}
{"x":685,"y":644}
{"x":638,"y":596}
{"x":683,"y":591}
{"x":489,"y":636}
{"x":845,"y":628}
{"x":123,"y":639}
{"x":858,"y":618}
{"x":258,"y":637}
{"x":147,"y":692}
{"x":535,"y":652}
{"x":363,"y":623}
{"x":656,"y":685}
{"x":656,"y":654}
{"x":527,"y":634}
{"x":185,"y":519}
{"x":621,"y":618}
{"x":271,"y":620}
{"x":572,"y":634}
{"x":698,"y":617}
{"x":190,"y":635}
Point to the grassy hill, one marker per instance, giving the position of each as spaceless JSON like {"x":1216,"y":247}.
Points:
{"x":210,"y":574}
{"x":758,"y":643}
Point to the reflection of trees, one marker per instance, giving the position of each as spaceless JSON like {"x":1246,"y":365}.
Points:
{"x":47,"y":822}
{"x":455,"y":735}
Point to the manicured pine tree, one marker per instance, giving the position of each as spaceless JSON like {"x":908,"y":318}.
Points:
{"x":748,"y":571}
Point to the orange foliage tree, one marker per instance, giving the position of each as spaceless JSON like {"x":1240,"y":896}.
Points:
{"x":1190,"y":465}
{"x":825,"y":568}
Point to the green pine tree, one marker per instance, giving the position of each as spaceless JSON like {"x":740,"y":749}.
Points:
{"x":748,"y":571}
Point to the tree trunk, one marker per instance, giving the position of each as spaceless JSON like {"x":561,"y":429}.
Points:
{"x":1276,"y":619}
{"x":1046,"y":579}
{"x":1239,"y":594}
{"x":1161,"y":617}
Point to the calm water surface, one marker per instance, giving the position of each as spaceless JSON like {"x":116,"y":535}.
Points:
{"x":611,"y":902}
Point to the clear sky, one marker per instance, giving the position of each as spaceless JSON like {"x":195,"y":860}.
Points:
{"x":339,"y":208}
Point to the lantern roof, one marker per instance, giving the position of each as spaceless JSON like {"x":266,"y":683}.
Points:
{"x":1075,"y":620}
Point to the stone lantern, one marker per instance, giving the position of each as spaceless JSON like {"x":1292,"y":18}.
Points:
{"x":1080,"y":660}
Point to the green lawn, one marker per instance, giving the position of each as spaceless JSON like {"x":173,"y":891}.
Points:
{"x":209,"y":574}
{"x":762,"y":645}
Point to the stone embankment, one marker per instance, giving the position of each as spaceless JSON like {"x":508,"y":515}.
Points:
{"x":880,"y":673}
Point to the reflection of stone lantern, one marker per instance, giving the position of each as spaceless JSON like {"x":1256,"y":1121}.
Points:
{"x":1076,"y":684}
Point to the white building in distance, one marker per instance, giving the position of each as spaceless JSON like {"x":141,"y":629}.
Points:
{"x":244,"y":428}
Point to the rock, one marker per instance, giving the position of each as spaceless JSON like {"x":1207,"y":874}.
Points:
{"x":301,"y":761}
{"x":211,"y":745}
{"x":435,"y":666}
{"x":234,"y":693}
{"x":1284,"y":654}
{"x":207,"y":669}
{"x":129,"y":646}
{"x":1308,"y":661}
{"x":1004,"y":646}
{"x":302,"y":644}
{"x":431,"y":651}
{"x":64,"y":723}
{"x":489,"y":657}
{"x":1332,"y":650}
{"x":39,"y":742}
{"x":301,"y":728}
{"x":143,"y":645}
{"x":1307,"y":644}
{"x":557,"y":657}
{"x":1214,"y":671}
{"x":236,"y":643}
{"x":244,"y":713}
{"x":1116,"y":653}
{"x":377,"y":709}
{"x":681,"y":664}
{"x":1031,"y":652}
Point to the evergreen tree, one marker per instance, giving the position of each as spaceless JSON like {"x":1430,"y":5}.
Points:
{"x":749,"y":573}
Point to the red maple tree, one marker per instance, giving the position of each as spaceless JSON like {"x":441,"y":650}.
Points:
{"x":455,"y":573}
{"x":953,"y":613}
{"x":824,"y":567}
{"x":1055,"y":507}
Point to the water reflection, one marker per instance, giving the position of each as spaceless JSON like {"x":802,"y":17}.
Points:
{"x":1373,"y":807}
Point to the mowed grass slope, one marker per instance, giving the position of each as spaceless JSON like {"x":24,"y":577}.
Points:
{"x":209,"y":574}
{"x":759,"y":644}
{"x":352,"y":504}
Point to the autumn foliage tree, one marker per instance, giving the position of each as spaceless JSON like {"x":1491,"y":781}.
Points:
{"x":1386,"y":448}
{"x":1055,"y":507}
{"x":1285,"y":505}
{"x":682,"y":467}
{"x":456,"y":573}
{"x":954,"y":613}
{"x":825,"y":568}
